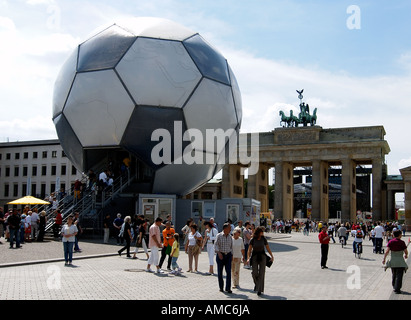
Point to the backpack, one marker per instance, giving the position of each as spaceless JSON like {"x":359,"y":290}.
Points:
{"x":359,"y":234}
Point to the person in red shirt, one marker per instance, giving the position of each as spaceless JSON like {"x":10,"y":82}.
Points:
{"x":324,"y":239}
{"x":58,"y":220}
{"x":397,"y":263}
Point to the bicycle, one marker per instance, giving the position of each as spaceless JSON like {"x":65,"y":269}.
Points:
{"x":358,"y":250}
{"x":342,"y":241}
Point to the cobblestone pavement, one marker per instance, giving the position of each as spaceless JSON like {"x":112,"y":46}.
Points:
{"x":37,"y":271}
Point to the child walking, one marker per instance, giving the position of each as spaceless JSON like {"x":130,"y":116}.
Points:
{"x":175,"y":251}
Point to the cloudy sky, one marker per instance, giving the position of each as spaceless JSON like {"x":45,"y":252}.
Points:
{"x":353,"y":58}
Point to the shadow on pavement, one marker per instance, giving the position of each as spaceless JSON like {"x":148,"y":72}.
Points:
{"x":279,"y":247}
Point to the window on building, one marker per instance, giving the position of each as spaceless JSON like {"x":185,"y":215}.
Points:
{"x":15,"y":190}
{"x":17,"y":156}
{"x":53,"y":170}
{"x":16,"y":171}
{"x":8,"y":156}
{"x":35,"y":155}
{"x":44,"y":170}
{"x":44,"y":154}
{"x":73,"y":170}
{"x":63,"y":154}
{"x":25,"y":171}
{"x":25,"y":155}
{"x":7,"y":171}
{"x":34,"y":171}
{"x":54,"y":154}
{"x":63,"y":169}
{"x":43,"y":191}
{"x":33,"y":190}
{"x":6,"y":190}
{"x":24,"y":189}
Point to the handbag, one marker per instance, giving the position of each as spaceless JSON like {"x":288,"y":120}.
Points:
{"x":268,"y":261}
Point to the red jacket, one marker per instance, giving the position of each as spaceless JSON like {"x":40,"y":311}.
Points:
{"x":322,"y":236}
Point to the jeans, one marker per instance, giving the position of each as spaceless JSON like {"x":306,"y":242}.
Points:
{"x":68,"y":251}
{"x":174,"y":264}
{"x":14,"y":233}
{"x":76,"y":247}
{"x":226,"y":264}
{"x":354,"y":247}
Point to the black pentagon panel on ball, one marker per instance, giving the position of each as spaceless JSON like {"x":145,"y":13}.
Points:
{"x":151,"y":132}
{"x":186,"y":177}
{"x":104,"y":50}
{"x":69,"y":141}
{"x":208,"y":60}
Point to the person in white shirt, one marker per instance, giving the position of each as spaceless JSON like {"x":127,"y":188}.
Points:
{"x":358,"y":238}
{"x":210,"y":235}
{"x":379,"y":235}
{"x":69,"y":232}
{"x":34,"y":225}
{"x":103,"y":177}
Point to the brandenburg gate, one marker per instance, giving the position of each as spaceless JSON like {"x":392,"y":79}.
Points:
{"x":291,"y":146}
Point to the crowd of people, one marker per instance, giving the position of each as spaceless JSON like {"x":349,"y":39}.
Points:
{"x":19,"y":226}
{"x":227,"y":247}
{"x":28,"y":225}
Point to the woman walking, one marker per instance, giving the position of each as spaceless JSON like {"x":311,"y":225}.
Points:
{"x":142,"y":239}
{"x":210,"y":235}
{"x":238,"y":257}
{"x":127,"y":236}
{"x":193,"y":248}
{"x":257,"y":258}
{"x":68,"y":232}
{"x":397,"y":263}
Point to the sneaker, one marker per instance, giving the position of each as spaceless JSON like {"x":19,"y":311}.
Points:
{"x":149,"y":270}
{"x":160,"y":271}
{"x":173,"y":272}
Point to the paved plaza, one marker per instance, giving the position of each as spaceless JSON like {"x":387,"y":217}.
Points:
{"x":37,"y":272}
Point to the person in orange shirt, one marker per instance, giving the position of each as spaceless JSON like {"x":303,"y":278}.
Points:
{"x":168,"y":238}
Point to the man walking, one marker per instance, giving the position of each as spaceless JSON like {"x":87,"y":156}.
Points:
{"x":168,"y":237}
{"x":14,"y":227}
{"x":378,"y":234}
{"x":324,"y":239}
{"x":154,"y":244}
{"x":223,"y":246}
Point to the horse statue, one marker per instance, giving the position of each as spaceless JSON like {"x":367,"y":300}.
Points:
{"x":294,"y":120}
{"x":313,"y":117}
{"x":284,"y":119}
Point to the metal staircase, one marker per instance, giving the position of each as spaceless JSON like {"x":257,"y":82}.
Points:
{"x":89,"y":206}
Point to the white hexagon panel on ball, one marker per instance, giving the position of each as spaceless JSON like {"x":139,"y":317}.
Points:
{"x":138,"y":76}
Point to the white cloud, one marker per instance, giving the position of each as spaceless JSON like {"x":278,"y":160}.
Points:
{"x":403,"y":163}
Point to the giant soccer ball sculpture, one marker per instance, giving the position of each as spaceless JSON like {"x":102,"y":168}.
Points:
{"x":129,"y":80}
